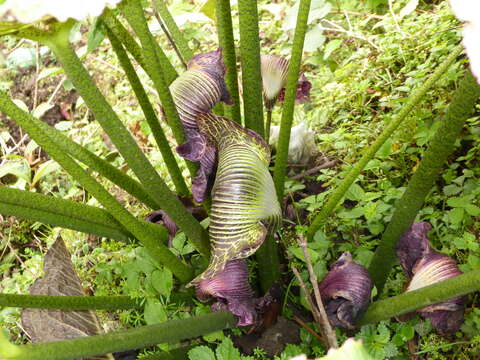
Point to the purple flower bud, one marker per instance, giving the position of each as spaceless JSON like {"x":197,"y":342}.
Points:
{"x":346,"y":291}
{"x":232,"y":291}
{"x":413,"y":245}
{"x":425,"y":266}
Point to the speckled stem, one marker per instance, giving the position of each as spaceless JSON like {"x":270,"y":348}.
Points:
{"x":59,"y":212}
{"x":150,"y":116}
{"x":417,"y":299}
{"x":173,"y":29}
{"x":133,"y":12}
{"x":290,"y":94}
{"x":250,"y":60}
{"x":368,"y":154}
{"x":69,"y":302}
{"x":225,"y":38}
{"x":172,"y":331}
{"x":156,"y":249}
{"x":123,"y":141}
{"x":441,"y":147}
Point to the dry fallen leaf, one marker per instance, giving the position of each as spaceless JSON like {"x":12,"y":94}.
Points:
{"x":60,"y":279}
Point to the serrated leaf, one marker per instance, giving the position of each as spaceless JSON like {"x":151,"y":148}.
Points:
{"x":226,"y":350}
{"x":60,"y":279}
{"x":472,"y":209}
{"x":201,"y":353}
{"x":162,"y":281}
{"x":456,"y":215}
{"x":154,"y":312}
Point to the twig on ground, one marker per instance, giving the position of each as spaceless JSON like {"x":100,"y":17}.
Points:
{"x":325,"y":324}
{"x":315,"y":169}
{"x":306,"y":327}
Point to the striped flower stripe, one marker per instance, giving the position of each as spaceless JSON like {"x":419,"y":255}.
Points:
{"x":195,"y":92}
{"x":244,"y":203}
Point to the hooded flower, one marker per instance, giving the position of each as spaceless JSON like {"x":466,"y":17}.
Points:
{"x":274,"y":77}
{"x":346,"y":291}
{"x":160,"y":217}
{"x":425,"y":266}
{"x":195,"y":92}
{"x":232,"y":291}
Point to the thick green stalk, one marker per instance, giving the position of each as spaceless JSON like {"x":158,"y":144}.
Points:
{"x":441,"y":147}
{"x":167,"y":332}
{"x":133,"y":48}
{"x":59,"y":212}
{"x":165,"y":199}
{"x":156,"y":249}
{"x":225,"y":38}
{"x":417,"y":299}
{"x":369,"y":153}
{"x":268,"y":254}
{"x":268,"y":125}
{"x":98,"y":164}
{"x":116,"y":27}
{"x":268,"y":263}
{"x":150,"y":116}
{"x":69,"y":214}
{"x":173,"y":29}
{"x":133,"y":12}
{"x":290,"y":94}
{"x":250,"y":60}
{"x":69,"y":302}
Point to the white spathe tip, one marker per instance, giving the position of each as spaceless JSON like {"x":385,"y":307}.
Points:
{"x":29,"y":11}
{"x":469,"y":11}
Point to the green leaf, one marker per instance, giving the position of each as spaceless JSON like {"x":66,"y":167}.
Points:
{"x":95,"y":35}
{"x":43,"y":170}
{"x":331,"y":47}
{"x":208,"y":8}
{"x":355,"y":193}
{"x":226,"y":350}
{"x":458,"y":202}
{"x":452,"y":189}
{"x":314,"y":39}
{"x":456,"y":215}
{"x":154,"y":312}
{"x":162,"y":281}
{"x":201,"y":353}
{"x":298,"y":253}
{"x":472,"y":209}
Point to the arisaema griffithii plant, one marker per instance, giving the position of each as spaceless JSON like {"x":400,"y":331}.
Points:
{"x":221,"y":154}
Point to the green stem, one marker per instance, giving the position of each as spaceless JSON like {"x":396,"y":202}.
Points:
{"x":116,"y":27}
{"x":268,"y":263}
{"x":68,"y":214}
{"x":133,"y":12}
{"x":225,"y":38}
{"x":144,"y":234}
{"x":59,"y":212}
{"x":170,"y":39}
{"x":268,"y":255}
{"x":441,"y":147}
{"x":369,"y":153}
{"x":417,"y":299}
{"x":173,"y":29}
{"x":150,"y":116}
{"x":167,"y":332}
{"x":69,"y":302}
{"x":98,"y":164}
{"x":268,"y":125}
{"x":250,"y":60}
{"x":164,"y":198}
{"x":290,"y":94}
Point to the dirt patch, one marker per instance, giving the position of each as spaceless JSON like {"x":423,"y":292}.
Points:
{"x":24,"y":90}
